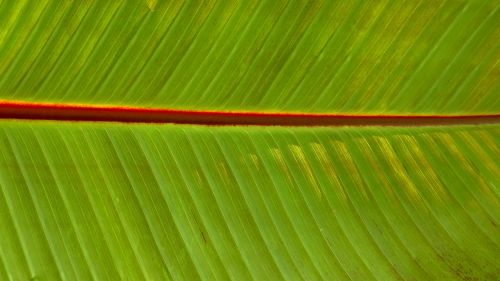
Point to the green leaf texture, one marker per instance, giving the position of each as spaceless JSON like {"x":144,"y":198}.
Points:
{"x":162,"y":202}
{"x":335,"y":56}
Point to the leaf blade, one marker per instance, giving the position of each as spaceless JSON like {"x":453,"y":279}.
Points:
{"x":254,"y":202}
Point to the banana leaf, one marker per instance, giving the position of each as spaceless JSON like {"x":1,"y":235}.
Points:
{"x":332,"y":56}
{"x":126,"y":201}
{"x":161,"y":202}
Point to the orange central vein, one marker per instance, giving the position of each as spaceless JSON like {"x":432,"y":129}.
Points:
{"x":68,"y":112}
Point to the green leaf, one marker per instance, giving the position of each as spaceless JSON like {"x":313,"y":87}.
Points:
{"x":109,"y":201}
{"x":381,"y":56}
{"x":83,"y":201}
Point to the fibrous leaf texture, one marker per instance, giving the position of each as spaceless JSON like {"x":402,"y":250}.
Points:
{"x":143,"y":202}
{"x":123,"y":201}
{"x":381,"y":56}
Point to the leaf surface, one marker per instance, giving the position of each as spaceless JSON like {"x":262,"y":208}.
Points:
{"x":110,"y":201}
{"x":155,"y":202}
{"x":355,"y":56}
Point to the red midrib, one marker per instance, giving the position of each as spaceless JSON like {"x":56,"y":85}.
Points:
{"x":68,"y":112}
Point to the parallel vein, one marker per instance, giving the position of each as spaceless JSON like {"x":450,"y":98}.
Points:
{"x":107,"y":202}
{"x":346,"y":57}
